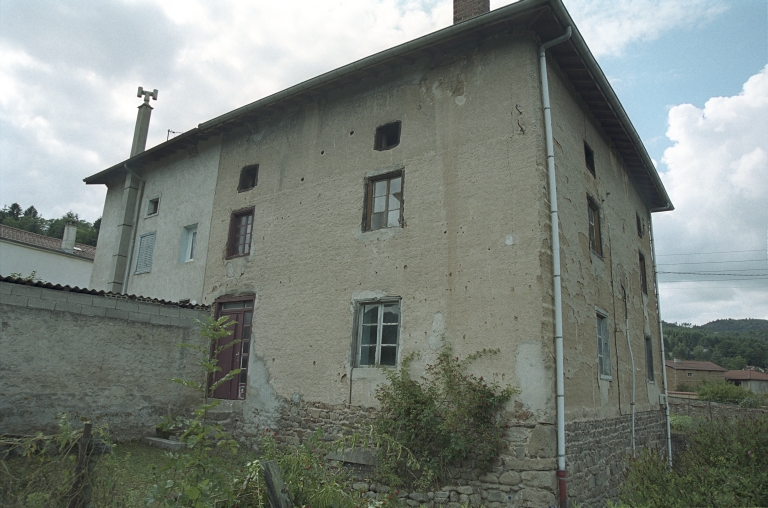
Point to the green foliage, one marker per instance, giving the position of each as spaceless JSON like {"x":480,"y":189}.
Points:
{"x":721,"y":391}
{"x":30,"y":220}
{"x":680,"y":423}
{"x":731,"y":343}
{"x":754,"y":400}
{"x":445,"y":417}
{"x":724,"y":466}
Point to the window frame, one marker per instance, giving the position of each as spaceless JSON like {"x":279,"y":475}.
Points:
{"x":643,"y":274}
{"x":188,"y":243}
{"x":640,"y":226}
{"x":153,"y":206}
{"x":603,"y":333}
{"x":650,"y":374}
{"x":589,"y":158}
{"x":236,"y":388}
{"x":382,"y":131}
{"x":248,"y":173}
{"x":232,"y":242}
{"x":370,"y":185}
{"x":360,"y":308}
{"x":146,"y":267}
{"x":594,"y":224}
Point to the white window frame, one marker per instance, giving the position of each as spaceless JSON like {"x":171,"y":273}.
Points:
{"x":361,"y":307}
{"x":188,"y":244}
{"x":149,"y":212}
{"x":145,"y":252}
{"x":602,"y":325}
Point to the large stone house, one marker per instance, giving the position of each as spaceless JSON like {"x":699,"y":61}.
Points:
{"x":403,"y":202}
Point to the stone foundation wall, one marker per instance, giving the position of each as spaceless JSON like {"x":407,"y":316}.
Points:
{"x":523,"y":475}
{"x":596,"y":452}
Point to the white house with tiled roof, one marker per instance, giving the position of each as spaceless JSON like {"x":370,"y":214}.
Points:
{"x":59,"y":261}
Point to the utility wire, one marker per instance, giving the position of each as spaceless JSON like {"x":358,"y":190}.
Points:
{"x":707,"y":253}
{"x":719,"y":273}
{"x":712,"y":262}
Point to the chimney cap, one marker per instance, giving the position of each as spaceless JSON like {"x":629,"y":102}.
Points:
{"x":468,"y":9}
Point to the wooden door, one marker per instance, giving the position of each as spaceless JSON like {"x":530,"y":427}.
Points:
{"x":240,"y":314}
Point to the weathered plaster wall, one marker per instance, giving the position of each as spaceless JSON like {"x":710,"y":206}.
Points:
{"x":590,"y":281}
{"x":185,"y":185}
{"x":92,"y":356}
{"x":54,"y":267}
{"x":466,"y":264}
{"x":107,"y":243}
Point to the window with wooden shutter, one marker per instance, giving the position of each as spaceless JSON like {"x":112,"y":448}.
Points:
{"x":146,"y":250}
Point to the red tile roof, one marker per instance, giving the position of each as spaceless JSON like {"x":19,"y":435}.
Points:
{"x":746,"y":375}
{"x":694,"y":365}
{"x":45,"y":242}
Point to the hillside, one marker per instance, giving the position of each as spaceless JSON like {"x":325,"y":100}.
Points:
{"x":730,"y":343}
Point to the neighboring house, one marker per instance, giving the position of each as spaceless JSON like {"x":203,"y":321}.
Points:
{"x":51,"y":259}
{"x":689,"y":373}
{"x":402,"y":202}
{"x":749,"y":379}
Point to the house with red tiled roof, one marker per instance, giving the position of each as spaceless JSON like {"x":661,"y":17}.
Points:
{"x":690,"y":373}
{"x":750,"y":379}
{"x":58,"y":261}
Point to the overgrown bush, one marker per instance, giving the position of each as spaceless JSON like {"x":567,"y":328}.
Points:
{"x":445,"y":417}
{"x":722,"y":391}
{"x":754,"y":400}
{"x":724,"y":465}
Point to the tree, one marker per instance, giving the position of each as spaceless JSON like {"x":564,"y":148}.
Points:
{"x":15,"y":211}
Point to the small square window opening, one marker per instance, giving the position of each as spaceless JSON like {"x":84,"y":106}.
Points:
{"x":603,"y":346}
{"x":595,"y":240}
{"x":643,"y":275}
{"x":240,"y":233}
{"x":384,"y":202}
{"x":387,"y":136}
{"x":188,"y":241}
{"x":690,"y":374}
{"x":589,"y":158}
{"x":640,"y":226}
{"x":249,"y":178}
{"x":377,"y":333}
{"x":153,"y":206}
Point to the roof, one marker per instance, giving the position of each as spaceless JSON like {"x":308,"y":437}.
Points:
{"x":106,"y":294}
{"x":694,"y":365}
{"x":45,"y":242}
{"x":548,"y":19}
{"x":746,"y":375}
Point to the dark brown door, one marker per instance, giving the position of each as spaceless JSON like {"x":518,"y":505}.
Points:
{"x":240,"y":314}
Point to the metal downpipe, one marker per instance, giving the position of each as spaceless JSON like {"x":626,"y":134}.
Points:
{"x":557,"y":289}
{"x":632,"y":360}
{"x":661,"y":339}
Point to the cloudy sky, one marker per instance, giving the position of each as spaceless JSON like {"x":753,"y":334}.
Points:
{"x":692,"y":75}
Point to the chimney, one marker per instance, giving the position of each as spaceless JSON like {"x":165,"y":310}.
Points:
{"x":467,"y":9}
{"x":68,"y":240}
{"x":142,"y":121}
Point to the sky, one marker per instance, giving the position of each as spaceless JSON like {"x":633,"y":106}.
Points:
{"x":691,"y":74}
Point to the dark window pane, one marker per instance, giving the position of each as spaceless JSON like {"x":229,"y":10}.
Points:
{"x":368,"y":335}
{"x":368,"y":355}
{"x":246,"y":346}
{"x":370,"y":314}
{"x":391,"y":313}
{"x":389,"y":334}
{"x":243,"y":376}
{"x":388,"y":355}
{"x":377,"y":220}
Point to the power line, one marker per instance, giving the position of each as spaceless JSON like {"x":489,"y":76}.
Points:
{"x":711,"y":280}
{"x":711,"y":287}
{"x":712,"y":262}
{"x":719,"y":273}
{"x":707,"y":253}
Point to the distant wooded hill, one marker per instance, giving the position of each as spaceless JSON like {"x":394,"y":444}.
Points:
{"x":730,"y":343}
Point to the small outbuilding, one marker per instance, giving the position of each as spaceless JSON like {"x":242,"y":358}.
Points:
{"x":689,"y":373}
{"x":750,"y":379}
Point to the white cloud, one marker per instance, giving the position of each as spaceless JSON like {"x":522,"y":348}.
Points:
{"x":718,"y":180}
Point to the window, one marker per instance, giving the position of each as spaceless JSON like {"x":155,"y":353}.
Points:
{"x":603,"y":346}
{"x":249,"y":178}
{"x":643,"y":275}
{"x":235,"y":356}
{"x":648,"y":358}
{"x":377,"y":333}
{"x":188,"y":240}
{"x":640,"y":226}
{"x":146,"y":250}
{"x":595,"y":242}
{"x":384,"y":202}
{"x":240,"y":232}
{"x":689,"y":374}
{"x":387,"y":136}
{"x":589,"y":158}
{"x":153,"y":206}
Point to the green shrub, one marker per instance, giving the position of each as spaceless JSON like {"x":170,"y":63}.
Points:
{"x":445,"y":417}
{"x":722,"y":391}
{"x":754,"y":400}
{"x":680,"y":423}
{"x":723,"y":466}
